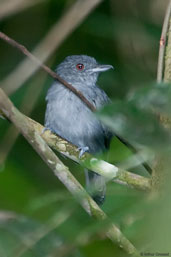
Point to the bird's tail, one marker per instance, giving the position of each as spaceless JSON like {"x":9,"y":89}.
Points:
{"x":96,"y":186}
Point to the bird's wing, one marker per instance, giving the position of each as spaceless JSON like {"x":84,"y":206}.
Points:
{"x":100,"y":100}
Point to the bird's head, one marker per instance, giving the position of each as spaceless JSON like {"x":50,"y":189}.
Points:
{"x":81,"y":69}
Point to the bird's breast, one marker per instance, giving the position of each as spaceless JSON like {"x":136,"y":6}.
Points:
{"x":69,"y":117}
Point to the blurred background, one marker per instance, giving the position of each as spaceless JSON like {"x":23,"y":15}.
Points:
{"x":38,"y":217}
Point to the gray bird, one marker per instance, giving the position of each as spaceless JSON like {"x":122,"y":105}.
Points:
{"x":67,"y":116}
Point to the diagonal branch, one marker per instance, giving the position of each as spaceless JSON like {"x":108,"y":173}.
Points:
{"x":109,"y":171}
{"x":69,"y":21}
{"x":99,"y":166}
{"x":35,"y":60}
{"x":62,"y":172}
{"x":24,"y":50}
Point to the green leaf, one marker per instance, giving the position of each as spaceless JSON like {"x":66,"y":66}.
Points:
{"x":136,"y":125}
{"x":154,"y":97}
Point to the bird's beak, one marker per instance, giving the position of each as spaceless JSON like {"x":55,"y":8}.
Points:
{"x":101,"y":68}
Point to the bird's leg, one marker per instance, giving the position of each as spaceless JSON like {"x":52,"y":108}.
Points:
{"x":82,"y":150}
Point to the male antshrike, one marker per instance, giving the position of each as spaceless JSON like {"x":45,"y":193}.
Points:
{"x":69,"y":117}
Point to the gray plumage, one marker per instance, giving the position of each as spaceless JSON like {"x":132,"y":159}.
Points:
{"x":67,"y":116}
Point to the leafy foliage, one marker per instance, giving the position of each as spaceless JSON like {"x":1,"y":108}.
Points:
{"x":136,"y":119}
{"x":42,"y":218}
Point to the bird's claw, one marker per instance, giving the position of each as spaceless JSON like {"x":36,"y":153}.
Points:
{"x":82,"y":150}
{"x":43,"y":130}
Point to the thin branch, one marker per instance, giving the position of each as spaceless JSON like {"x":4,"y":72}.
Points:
{"x":24,"y":50}
{"x":162,"y":46}
{"x":69,"y":21}
{"x":162,"y":159}
{"x":62,"y":172}
{"x":99,"y":166}
{"x":167,"y":72}
{"x":109,"y":171}
{"x":132,"y":179}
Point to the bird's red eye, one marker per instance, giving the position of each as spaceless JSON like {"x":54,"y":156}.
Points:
{"x":80,"y":66}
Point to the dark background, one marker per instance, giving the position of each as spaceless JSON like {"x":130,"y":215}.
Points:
{"x":122,"y":33}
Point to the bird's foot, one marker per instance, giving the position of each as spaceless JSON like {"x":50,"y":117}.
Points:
{"x":82,"y":150}
{"x":43,"y":130}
